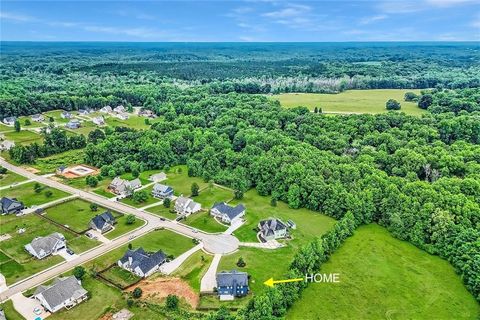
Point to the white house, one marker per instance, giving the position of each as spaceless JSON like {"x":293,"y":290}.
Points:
{"x":119,"y":109}
{"x":9,"y":121}
{"x":42,"y":247}
{"x":186,"y":206}
{"x":226,"y":213}
{"x":122,"y":116}
{"x":99,"y":121}
{"x":6,"y":145}
{"x":63,"y":293}
{"x":142,"y":263}
{"x":106,"y":109}
{"x":157,"y":177}
{"x":65,"y":115}
{"x":37,"y":117}
{"x":124,"y":187}
{"x":162,"y":191}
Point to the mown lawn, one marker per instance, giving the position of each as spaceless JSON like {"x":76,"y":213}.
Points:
{"x":9,"y":178}
{"x":178,"y":179}
{"x":52,"y":163}
{"x":160,"y":210}
{"x":20,"y":264}
{"x":204,"y":221}
{"x":23,"y":137}
{"x":193,"y":269}
{"x":168,"y":241}
{"x":209,"y":196}
{"x":10,"y":312}
{"x":55,"y":114}
{"x":29,"y":197}
{"x":122,"y":227}
{"x":150,"y":199}
{"x":310,"y":224}
{"x":384,"y":278}
{"x":75,"y":213}
{"x":120,"y":276}
{"x":351,"y":101}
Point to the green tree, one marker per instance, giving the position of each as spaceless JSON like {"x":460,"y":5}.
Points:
{"x":130,"y":219}
{"x":392,"y":104}
{"x":167,"y":202}
{"x":79,"y":272}
{"x":172,"y":302}
{"x":48,"y":193}
{"x":28,"y":122}
{"x":137,"y":292}
{"x":37,"y":187}
{"x":425,"y":101}
{"x":140,"y":196}
{"x":241,"y":263}
{"x":93,"y":207}
{"x":194,"y":188}
{"x":273,"y":202}
{"x":17,"y":125}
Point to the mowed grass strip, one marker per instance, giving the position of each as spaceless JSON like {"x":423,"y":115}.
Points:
{"x":193,"y":269}
{"x":178,"y":179}
{"x":122,"y":227}
{"x":21,"y":264}
{"x":204,"y":221}
{"x":351,"y":101}
{"x":210,"y":195}
{"x":310,"y":224}
{"x":385,"y":278}
{"x":26,"y":193}
{"x":9,"y":178}
{"x":23,"y":137}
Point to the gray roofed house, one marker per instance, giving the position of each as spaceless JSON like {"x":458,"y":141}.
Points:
{"x":162,"y":191}
{"x":103,"y":222}
{"x":141,"y":262}
{"x":226,"y":213}
{"x":6,"y":145}
{"x":63,"y":293}
{"x":232,"y":284}
{"x":271,"y":229}
{"x":2,"y":315}
{"x":186,"y":206}
{"x":9,"y":120}
{"x":157,"y":177}
{"x":65,"y":115}
{"x":119,"y":109}
{"x":83,"y":111}
{"x":38,"y":117}
{"x":73,"y":124}
{"x":42,"y":247}
{"x":106,"y":109}
{"x":10,"y":205}
{"x":124,"y":187}
{"x":99,"y":121}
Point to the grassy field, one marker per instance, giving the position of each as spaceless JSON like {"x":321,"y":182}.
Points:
{"x":150,"y":199}
{"x":120,"y":276}
{"x":9,"y":178}
{"x":20,"y":264}
{"x":160,"y":210}
{"x":50,"y":164}
{"x":122,"y":227}
{"x":209,"y":196}
{"x":29,"y":197}
{"x":23,"y":137}
{"x":310,"y":224}
{"x":75,"y":213}
{"x":384,"y":278}
{"x":134,"y":122}
{"x":193,"y":269}
{"x":10,"y":312}
{"x":203,"y":221}
{"x":352,"y":101}
{"x":178,"y":179}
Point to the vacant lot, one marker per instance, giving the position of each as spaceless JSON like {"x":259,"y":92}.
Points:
{"x":52,"y":163}
{"x":20,"y":264}
{"x":29,"y":196}
{"x":352,"y":101}
{"x":193,"y":269}
{"x":120,"y":276}
{"x":310,"y":224}
{"x":209,"y":196}
{"x":178,"y":179}
{"x":9,"y":178}
{"x":150,"y":199}
{"x":23,"y":137}
{"x":160,"y":210}
{"x":384,"y":278}
{"x":122,"y":227}
{"x":204,"y":221}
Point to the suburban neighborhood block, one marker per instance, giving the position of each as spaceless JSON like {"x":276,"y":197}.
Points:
{"x":226,"y":213}
{"x":232,"y":284}
{"x":142,"y":263}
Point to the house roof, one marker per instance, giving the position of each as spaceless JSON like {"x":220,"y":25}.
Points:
{"x":143,"y":260}
{"x":10,"y":203}
{"x":269,"y":226}
{"x":232,"y":278}
{"x":101,"y":219}
{"x":9,"y":119}
{"x":157,"y":176}
{"x":161,"y":188}
{"x":62,"y":290}
{"x":37,"y":116}
{"x":135,"y":183}
{"x":46,"y":243}
{"x":231,"y":212}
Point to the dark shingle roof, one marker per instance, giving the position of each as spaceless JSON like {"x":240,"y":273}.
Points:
{"x":232,"y":278}
{"x":10,"y":203}
{"x":231,"y":212}
{"x":101,"y":219}
{"x":143,"y":260}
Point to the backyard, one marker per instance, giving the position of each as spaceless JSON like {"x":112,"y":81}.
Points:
{"x":210,"y":195}
{"x":178,"y":179}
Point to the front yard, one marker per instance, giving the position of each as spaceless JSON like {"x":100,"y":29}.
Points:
{"x":30,"y":197}
{"x":204,"y":221}
{"x":9,"y":178}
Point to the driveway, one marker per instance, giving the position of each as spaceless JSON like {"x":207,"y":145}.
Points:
{"x":64,"y":254}
{"x":236,"y":224}
{"x":209,"y":280}
{"x":171,"y":266}
{"x":25,"y":307}
{"x":272,"y":244}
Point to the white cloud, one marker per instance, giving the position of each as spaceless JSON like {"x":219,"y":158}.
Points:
{"x":17,"y":17}
{"x":448,"y":3}
{"x":292,"y":10}
{"x":368,"y":20}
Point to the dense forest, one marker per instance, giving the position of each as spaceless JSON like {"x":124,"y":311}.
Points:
{"x":417,"y":176}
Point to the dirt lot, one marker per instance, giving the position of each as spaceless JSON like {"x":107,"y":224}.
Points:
{"x":158,"y":289}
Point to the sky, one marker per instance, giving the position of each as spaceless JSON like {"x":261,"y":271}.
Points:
{"x":240,"y":20}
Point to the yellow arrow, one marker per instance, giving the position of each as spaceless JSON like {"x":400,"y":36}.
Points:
{"x":270,"y":282}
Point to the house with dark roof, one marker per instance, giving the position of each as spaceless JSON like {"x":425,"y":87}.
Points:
{"x":186,"y":206}
{"x":162,"y":191}
{"x":10,"y":205}
{"x":63,"y":293}
{"x":271,"y":229}
{"x":141,"y":262}
{"x":232,"y":284}
{"x":103,"y":222}
{"x":226,"y":213}
{"x":9,"y":121}
{"x":42,"y":247}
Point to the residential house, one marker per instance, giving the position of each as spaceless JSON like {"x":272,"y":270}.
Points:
{"x":38,"y":117}
{"x":103,"y":222}
{"x":124,"y":187}
{"x":65,"y":115}
{"x":226,"y":213}
{"x":162,"y":191}
{"x":83,"y":112}
{"x":63,"y":293}
{"x":142,"y":263}
{"x":122,"y":116}
{"x":147,"y":113}
{"x":186,"y":206}
{"x":157,"y":177}
{"x":10,"y":205}
{"x":106,"y":109}
{"x":99,"y":121}
{"x":2,"y":315}
{"x":271,"y":229}
{"x":119,"y":109}
{"x":9,"y":121}
{"x":73,"y":124}
{"x":232,"y":284}
{"x":42,"y":247}
{"x":6,"y":145}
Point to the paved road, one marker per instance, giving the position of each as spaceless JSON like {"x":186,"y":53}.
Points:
{"x":209,"y":280}
{"x":213,"y":243}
